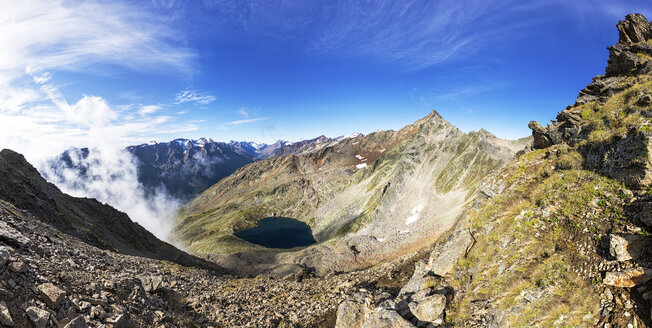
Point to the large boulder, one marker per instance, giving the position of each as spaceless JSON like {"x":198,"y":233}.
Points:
{"x":51,"y":295}
{"x":442,"y":263}
{"x":78,"y":322}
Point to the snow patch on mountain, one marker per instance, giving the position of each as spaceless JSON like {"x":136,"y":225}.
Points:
{"x":414,"y":215}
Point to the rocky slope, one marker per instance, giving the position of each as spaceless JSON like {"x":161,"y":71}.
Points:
{"x":561,"y":236}
{"x":366,"y":198}
{"x":93,"y":222}
{"x":51,"y":279}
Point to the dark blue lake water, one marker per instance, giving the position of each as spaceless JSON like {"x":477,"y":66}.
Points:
{"x":278,"y":232}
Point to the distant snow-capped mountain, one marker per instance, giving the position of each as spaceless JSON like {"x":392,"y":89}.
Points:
{"x":184,"y":167}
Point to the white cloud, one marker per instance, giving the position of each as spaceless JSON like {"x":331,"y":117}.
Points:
{"x":44,"y":130}
{"x":243,"y":112}
{"x":149,"y":109}
{"x":70,"y":35}
{"x":40,"y":38}
{"x":191,"y":95}
{"x":37,"y":74}
{"x":111,"y":177}
{"x":250,"y":120}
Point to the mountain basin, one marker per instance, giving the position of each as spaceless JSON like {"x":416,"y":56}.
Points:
{"x":279,"y":232}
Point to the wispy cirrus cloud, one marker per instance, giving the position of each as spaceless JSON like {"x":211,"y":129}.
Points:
{"x":149,"y":109}
{"x":246,"y":121}
{"x":412,"y":34}
{"x":42,"y":37}
{"x":192,"y":95}
{"x":71,"y":35}
{"x":243,"y":112}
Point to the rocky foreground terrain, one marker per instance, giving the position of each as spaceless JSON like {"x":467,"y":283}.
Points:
{"x":50,"y":279}
{"x":558,"y":237}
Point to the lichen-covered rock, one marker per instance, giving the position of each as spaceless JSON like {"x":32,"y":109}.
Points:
{"x":430,"y":309}
{"x":351,"y":314}
{"x":628,"y":277}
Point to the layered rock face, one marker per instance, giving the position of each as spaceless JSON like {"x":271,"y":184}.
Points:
{"x":366,"y":198}
{"x":610,"y":120}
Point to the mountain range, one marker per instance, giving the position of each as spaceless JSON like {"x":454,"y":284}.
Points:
{"x":426,"y":226}
{"x":183,"y":167}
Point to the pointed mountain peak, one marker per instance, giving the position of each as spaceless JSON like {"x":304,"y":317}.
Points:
{"x":434,"y":115}
{"x":432,"y":119}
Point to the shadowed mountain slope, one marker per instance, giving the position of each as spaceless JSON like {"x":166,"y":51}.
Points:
{"x":93,"y":222}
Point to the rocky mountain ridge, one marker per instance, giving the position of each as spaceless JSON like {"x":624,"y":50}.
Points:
{"x":351,"y":193}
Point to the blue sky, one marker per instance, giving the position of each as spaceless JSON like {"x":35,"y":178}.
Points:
{"x":82,"y":73}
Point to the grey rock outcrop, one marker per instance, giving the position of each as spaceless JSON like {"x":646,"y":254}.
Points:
{"x":429,"y":309}
{"x":442,"y":263}
{"x":627,"y":247}
{"x":634,"y":29}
